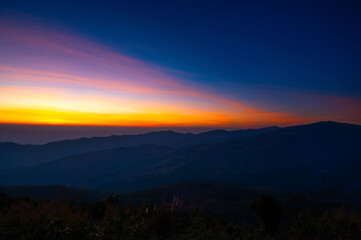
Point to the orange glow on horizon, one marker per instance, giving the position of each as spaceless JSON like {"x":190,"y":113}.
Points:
{"x":52,"y":77}
{"x":61,"y":117}
{"x":58,"y":106}
{"x":52,"y":83}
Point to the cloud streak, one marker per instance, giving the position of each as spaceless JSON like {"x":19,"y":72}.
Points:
{"x":53,"y":77}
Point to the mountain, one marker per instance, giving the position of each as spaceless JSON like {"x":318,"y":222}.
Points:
{"x":54,"y":193}
{"x":78,"y":170}
{"x":318,"y":156}
{"x":14,"y":155}
{"x":313,"y":157}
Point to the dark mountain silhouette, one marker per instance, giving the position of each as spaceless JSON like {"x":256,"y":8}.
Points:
{"x":324,"y":155}
{"x":78,"y":170}
{"x":14,"y":155}
{"x":321,"y":155}
{"x":54,"y":193}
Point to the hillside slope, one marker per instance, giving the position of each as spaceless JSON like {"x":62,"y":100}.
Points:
{"x":14,"y":155}
{"x":320,"y":155}
{"x":314,"y":157}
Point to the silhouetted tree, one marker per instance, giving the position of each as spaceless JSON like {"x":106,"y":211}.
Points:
{"x":268,"y":211}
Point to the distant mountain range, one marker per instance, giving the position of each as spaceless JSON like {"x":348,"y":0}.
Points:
{"x":13,"y":155}
{"x":319,"y":156}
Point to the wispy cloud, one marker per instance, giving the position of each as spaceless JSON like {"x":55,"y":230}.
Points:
{"x":53,"y":77}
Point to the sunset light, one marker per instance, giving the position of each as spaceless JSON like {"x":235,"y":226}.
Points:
{"x":52,"y":77}
{"x":180,"y":120}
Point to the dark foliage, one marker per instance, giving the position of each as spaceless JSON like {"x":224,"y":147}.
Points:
{"x":107,"y":219}
{"x":268,"y":212}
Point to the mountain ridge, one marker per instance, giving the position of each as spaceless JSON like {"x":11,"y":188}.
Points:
{"x":15,"y":155}
{"x":325,"y":154}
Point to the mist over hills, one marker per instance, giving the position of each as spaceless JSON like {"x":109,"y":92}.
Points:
{"x":319,"y":156}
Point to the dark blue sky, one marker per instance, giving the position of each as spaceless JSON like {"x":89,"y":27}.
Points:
{"x":300,"y":44}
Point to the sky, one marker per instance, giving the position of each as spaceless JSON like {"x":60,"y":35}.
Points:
{"x":179,"y":64}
